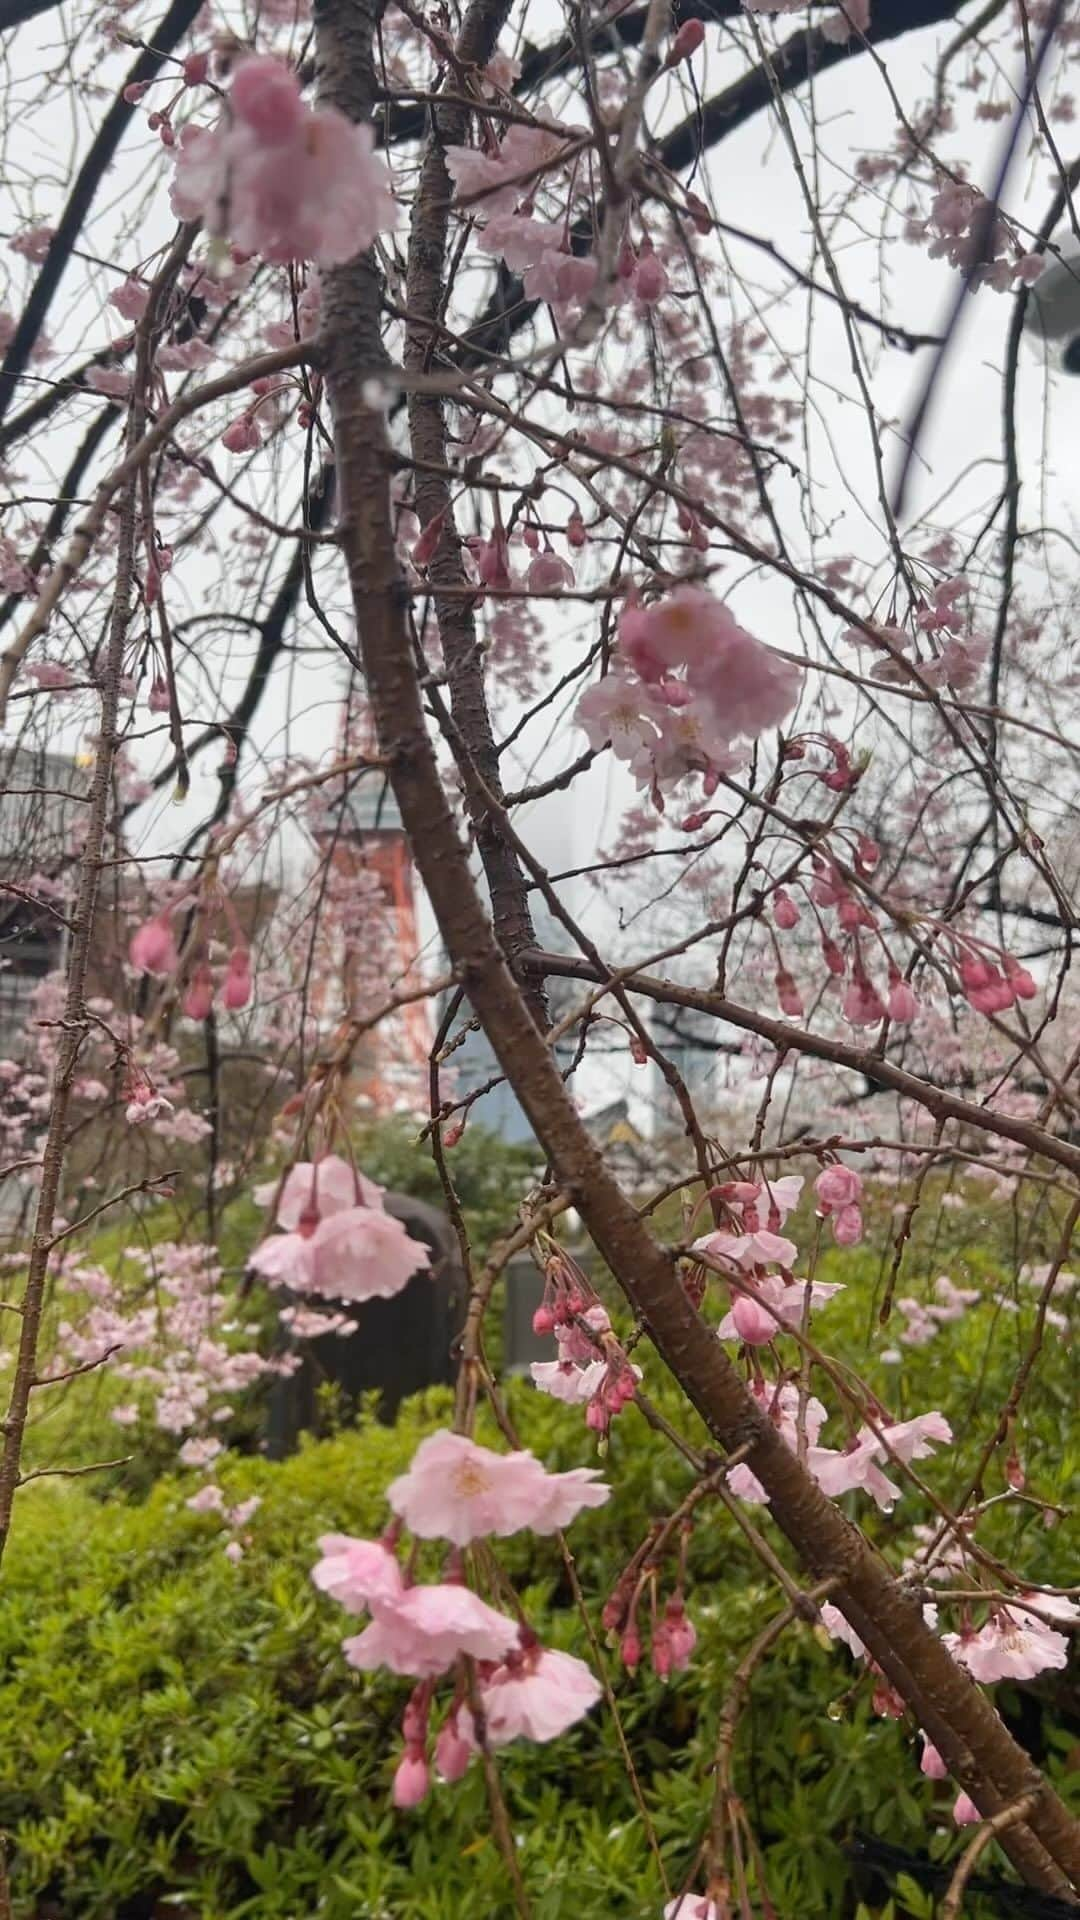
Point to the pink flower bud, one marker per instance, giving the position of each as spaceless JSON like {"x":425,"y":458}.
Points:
{"x":788,"y":995}
{"x":862,"y":1004}
{"x":755,"y":1325}
{"x":902,"y":1003}
{"x":199,"y":998}
{"x":837,"y":1186}
{"x":452,"y":1752}
{"x":847,"y":1227}
{"x":686,"y":42}
{"x":699,"y":213}
{"x":660,"y":1651}
{"x":153,"y":948}
{"x":237,"y":989}
{"x":548,"y":573}
{"x":543,"y":1320}
{"x":242,"y":435}
{"x":491,"y":557}
{"x":785,"y":912}
{"x":832,"y":956}
{"x":682,"y":1634}
{"x":576,"y":535}
{"x":650,"y":280}
{"x":427,"y":546}
{"x":411,"y":1780}
{"x":265,"y":95}
{"x":452,"y":1134}
{"x":157,"y":699}
{"x":965,"y":1812}
{"x":133,"y":93}
{"x":975,"y":973}
{"x":196,"y":68}
{"x":1019,"y":978}
{"x":932,"y":1763}
{"x":639,"y":1052}
{"x":630,"y":1650}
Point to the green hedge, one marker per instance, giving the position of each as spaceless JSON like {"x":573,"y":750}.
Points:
{"x":182,"y":1736}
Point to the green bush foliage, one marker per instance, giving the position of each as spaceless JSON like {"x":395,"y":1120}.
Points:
{"x":182,"y":1735}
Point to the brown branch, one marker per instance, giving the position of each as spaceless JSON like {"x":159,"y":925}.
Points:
{"x":453,"y":598}
{"x":841,"y":1053}
{"x":969,"y":1859}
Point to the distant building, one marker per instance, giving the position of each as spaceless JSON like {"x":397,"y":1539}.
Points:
{"x":42,"y":809}
{"x":359,"y":834}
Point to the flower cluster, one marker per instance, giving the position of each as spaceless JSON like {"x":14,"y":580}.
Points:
{"x":338,"y":1241}
{"x":153,"y":950}
{"x":692,"y":688}
{"x":458,"y":1491}
{"x":592,"y":1369}
{"x":284,"y":180}
{"x":964,"y":228}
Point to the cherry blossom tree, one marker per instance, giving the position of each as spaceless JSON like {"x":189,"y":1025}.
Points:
{"x":425,"y":396}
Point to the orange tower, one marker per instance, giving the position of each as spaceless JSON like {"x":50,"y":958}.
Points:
{"x":360,"y":833}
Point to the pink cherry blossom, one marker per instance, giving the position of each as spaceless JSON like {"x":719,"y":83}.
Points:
{"x":290,"y":181}
{"x":242,"y":435}
{"x":360,"y":1574}
{"x":750,"y":1249}
{"x":692,"y":1906}
{"x":856,"y":1467}
{"x":621,"y":711}
{"x":423,"y":1632}
{"x":1013,"y":1645}
{"x":836,"y":1626}
{"x":363,"y":1253}
{"x":931,"y":1762}
{"x":286,"y":1260}
{"x":537,"y":1696}
{"x":130,"y":298}
{"x":564,"y":1381}
{"x":750,"y":685}
{"x":457,"y":1490}
{"x":910,"y":1439}
{"x":965,"y":1812}
{"x":322,"y":1188}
